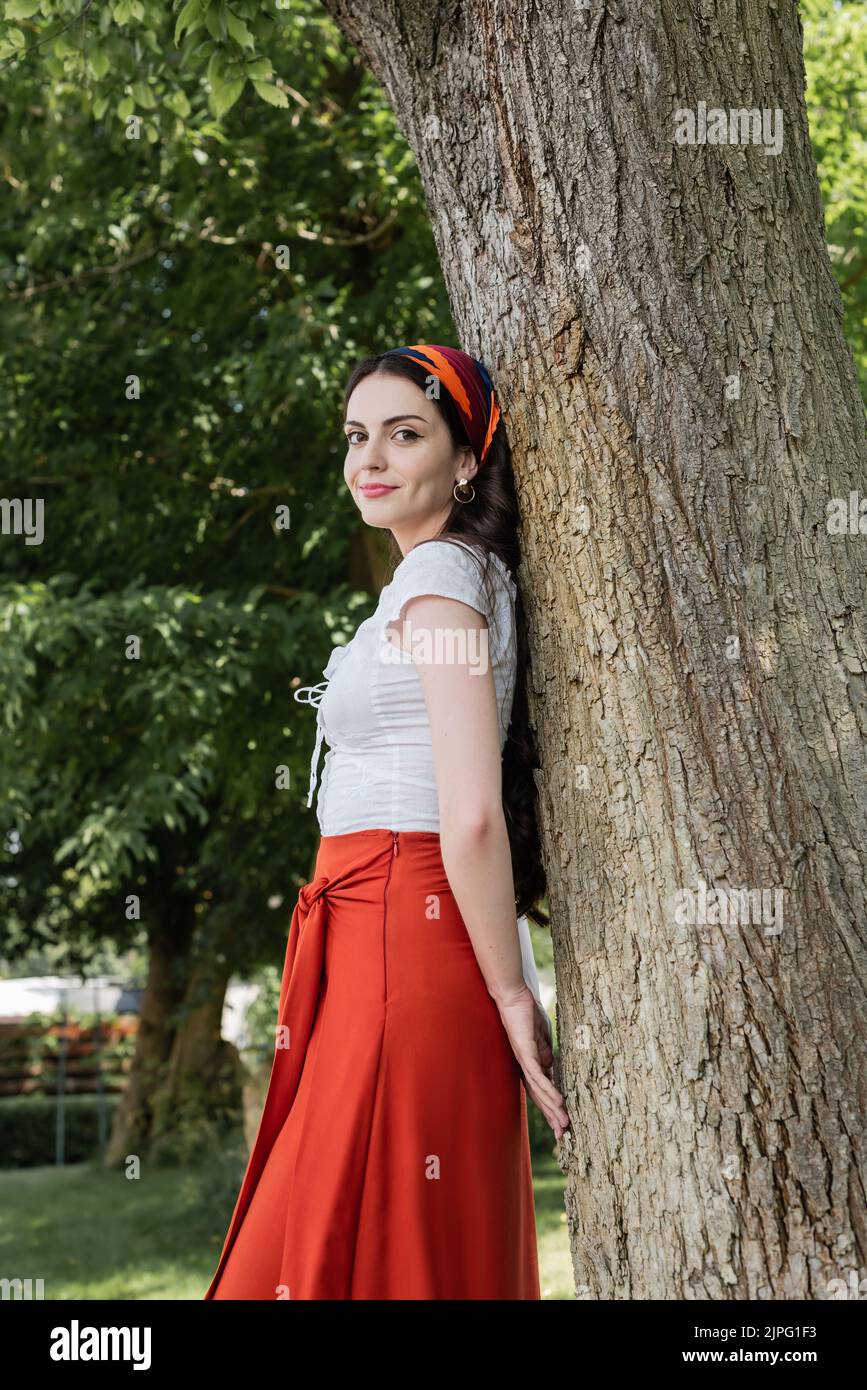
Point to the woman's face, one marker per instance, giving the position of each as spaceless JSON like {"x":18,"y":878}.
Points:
{"x":398,"y":441}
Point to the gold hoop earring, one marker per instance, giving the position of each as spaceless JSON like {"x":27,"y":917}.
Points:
{"x":463,"y":482}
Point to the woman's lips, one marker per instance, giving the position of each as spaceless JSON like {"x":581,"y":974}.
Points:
{"x":375,"y":489}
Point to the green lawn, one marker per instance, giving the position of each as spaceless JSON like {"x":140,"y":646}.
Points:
{"x":89,"y":1233}
{"x":555,"y":1261}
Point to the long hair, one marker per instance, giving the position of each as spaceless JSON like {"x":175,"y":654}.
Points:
{"x":490,"y":521}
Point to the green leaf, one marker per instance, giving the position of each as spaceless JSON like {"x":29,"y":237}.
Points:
{"x":187,"y":18}
{"x":215,"y":20}
{"x":143,"y":95}
{"x":224,"y":95}
{"x":273,"y":95}
{"x":214,"y":72}
{"x":14,"y":38}
{"x":63,"y":48}
{"x":259,"y":68}
{"x":239,"y":31}
{"x":99,"y":61}
{"x":178,"y":102}
{"x":21,"y":9}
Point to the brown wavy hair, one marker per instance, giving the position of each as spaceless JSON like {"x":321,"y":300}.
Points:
{"x":490,"y":520}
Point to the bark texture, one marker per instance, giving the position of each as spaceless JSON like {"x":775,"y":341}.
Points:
{"x":201,"y":1094}
{"x":169,"y":945}
{"x":663,"y":327}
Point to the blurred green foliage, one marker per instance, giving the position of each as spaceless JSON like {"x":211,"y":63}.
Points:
{"x":182,"y":310}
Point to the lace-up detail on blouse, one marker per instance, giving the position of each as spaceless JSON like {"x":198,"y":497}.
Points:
{"x":314,"y":694}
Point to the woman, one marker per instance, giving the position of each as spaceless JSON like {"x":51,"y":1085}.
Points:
{"x":392,"y":1158}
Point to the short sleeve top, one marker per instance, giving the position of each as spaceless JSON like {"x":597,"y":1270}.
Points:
{"x":379,"y":770}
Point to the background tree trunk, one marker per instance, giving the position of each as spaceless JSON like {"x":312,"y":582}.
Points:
{"x":200,"y":1097}
{"x":664,"y":329}
{"x":169,"y":945}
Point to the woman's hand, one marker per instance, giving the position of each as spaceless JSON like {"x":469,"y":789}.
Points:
{"x":527,"y":1032}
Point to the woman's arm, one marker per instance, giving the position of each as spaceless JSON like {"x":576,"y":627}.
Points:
{"x":459,"y":692}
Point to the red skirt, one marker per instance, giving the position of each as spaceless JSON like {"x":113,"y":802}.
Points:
{"x":392,"y":1159}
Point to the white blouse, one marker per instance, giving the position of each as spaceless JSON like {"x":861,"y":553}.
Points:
{"x":379,"y":770}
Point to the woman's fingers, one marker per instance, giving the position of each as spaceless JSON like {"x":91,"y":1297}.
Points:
{"x":526,"y":1026}
{"x":546,"y":1059}
{"x":558,"y":1121}
{"x":546,"y":1096}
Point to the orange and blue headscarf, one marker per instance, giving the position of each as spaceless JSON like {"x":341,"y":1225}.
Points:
{"x":468,"y":384}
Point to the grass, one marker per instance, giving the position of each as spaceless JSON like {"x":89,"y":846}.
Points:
{"x":555,"y":1261}
{"x":91,"y":1233}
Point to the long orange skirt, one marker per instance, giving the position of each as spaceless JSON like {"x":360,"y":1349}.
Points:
{"x":392,"y":1159}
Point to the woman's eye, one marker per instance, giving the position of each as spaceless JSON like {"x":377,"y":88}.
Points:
{"x":350,"y":434}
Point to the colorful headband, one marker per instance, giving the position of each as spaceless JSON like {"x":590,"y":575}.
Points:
{"x":468,"y":384}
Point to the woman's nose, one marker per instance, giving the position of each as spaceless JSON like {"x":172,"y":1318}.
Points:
{"x":370,"y":457}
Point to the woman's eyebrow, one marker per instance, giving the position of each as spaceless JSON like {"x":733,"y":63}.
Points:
{"x":392,"y":420}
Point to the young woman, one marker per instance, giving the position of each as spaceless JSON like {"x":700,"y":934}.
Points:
{"x":392,"y":1159}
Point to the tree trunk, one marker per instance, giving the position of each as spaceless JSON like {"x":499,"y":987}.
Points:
{"x":169,"y":945}
{"x":664,"y":329}
{"x":200,"y":1098}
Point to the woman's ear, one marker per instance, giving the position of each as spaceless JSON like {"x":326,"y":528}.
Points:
{"x":468,"y":461}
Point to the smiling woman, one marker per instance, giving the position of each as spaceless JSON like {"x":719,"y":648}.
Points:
{"x":407,"y":453}
{"x":392,"y":1158}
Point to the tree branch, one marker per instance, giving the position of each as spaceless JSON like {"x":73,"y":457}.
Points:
{"x":93,"y":273}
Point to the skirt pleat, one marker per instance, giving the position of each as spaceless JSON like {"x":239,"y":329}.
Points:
{"x":392,"y":1159}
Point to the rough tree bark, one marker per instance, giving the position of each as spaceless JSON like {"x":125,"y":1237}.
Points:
{"x":664,"y":329}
